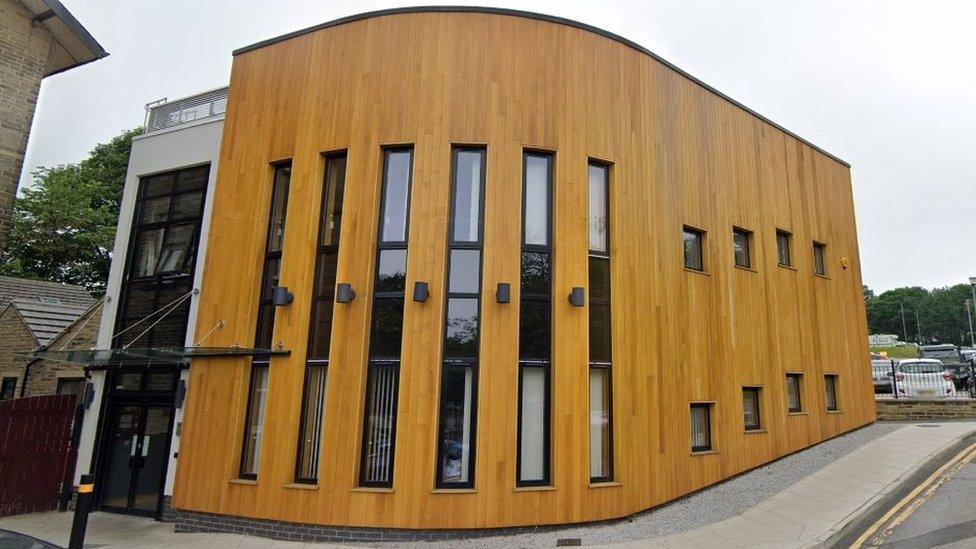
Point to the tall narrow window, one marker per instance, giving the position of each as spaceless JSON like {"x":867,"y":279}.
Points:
{"x":750,"y":408}
{"x":819,"y":261}
{"x":701,"y":427}
{"x":830,"y":392}
{"x":693,"y":245}
{"x":386,"y":332}
{"x":601,"y":418}
{"x":741,"y":247}
{"x":783,"y":248}
{"x":257,"y":394}
{"x":459,"y":375}
{"x":794,"y":400}
{"x":320,"y":325}
{"x":535,"y":321}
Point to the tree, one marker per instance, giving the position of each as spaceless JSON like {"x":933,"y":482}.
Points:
{"x":63,"y":225}
{"x":930,"y":316}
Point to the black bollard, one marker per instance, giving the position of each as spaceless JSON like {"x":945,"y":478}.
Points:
{"x":83,"y":505}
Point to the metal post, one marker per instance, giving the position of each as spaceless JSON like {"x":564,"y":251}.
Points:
{"x":904,"y":329}
{"x":894,"y":381}
{"x":969,"y":315}
{"x":82,"y":507}
{"x":918,"y":327}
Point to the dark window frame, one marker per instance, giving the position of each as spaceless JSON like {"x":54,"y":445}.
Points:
{"x":462,"y":363}
{"x":797,"y":378}
{"x":374,"y":362}
{"x":757,"y":394}
{"x":707,"y":406}
{"x":544,"y":363}
{"x":596,"y":255}
{"x":263,"y":302}
{"x":8,"y":387}
{"x":739,"y":231}
{"x":322,"y":252}
{"x":788,"y":240}
{"x":830,"y":386}
{"x":819,"y":258}
{"x":700,"y":235}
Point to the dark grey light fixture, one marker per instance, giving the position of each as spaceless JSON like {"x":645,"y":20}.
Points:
{"x":503,"y":294}
{"x":421,"y":291}
{"x":576,"y":297}
{"x":345,"y":293}
{"x":180,"y":394}
{"x":89,"y":395}
{"x":282,"y":296}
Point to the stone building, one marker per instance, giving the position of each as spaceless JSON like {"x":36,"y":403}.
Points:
{"x":43,"y":315}
{"x":38,"y":38}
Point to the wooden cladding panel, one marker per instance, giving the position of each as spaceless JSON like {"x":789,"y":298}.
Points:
{"x":680,"y":155}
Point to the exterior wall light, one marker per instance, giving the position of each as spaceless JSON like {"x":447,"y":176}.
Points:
{"x":503,"y":294}
{"x":421,"y":291}
{"x":282,"y":296}
{"x":577,"y":297}
{"x":345,"y":293}
{"x":180,"y":394}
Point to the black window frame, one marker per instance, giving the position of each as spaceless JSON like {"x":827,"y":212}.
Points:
{"x":819,"y":258}
{"x":8,"y":387}
{"x":699,"y":234}
{"x":373,"y":362}
{"x":747,"y":234}
{"x":323,"y":251}
{"x":707,"y":407}
{"x":545,"y":363}
{"x":797,"y":378}
{"x":607,"y":365}
{"x":755,"y":393}
{"x":784,"y":236}
{"x":830,"y":386}
{"x":264,"y":301}
{"x":462,"y":363}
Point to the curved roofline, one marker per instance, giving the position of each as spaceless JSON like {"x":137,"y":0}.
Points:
{"x":540,"y":17}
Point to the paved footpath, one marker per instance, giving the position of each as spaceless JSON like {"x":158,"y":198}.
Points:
{"x":805,"y":514}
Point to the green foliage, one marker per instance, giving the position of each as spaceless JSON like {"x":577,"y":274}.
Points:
{"x":64,"y":225}
{"x":939,"y":315}
{"x":905,"y":351}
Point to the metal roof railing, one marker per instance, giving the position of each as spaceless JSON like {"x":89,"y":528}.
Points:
{"x":164,"y":114}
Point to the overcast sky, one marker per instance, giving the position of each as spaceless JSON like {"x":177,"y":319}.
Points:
{"x":888,"y":85}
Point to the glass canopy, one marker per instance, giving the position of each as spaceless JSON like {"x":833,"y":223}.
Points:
{"x":149,"y":355}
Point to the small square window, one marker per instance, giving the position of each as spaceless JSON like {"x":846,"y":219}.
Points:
{"x":783,"y":248}
{"x":693,"y":244}
{"x":830,"y":391}
{"x":701,"y":427}
{"x":750,"y":408}
{"x":741,"y":247}
{"x":793,"y":383}
{"x":819,"y":261}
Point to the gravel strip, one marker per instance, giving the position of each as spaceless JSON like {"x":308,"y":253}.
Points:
{"x":708,"y":506}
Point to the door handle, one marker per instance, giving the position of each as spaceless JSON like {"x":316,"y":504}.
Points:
{"x":145,"y":445}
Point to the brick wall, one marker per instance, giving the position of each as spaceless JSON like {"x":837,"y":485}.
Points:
{"x":44,"y":374}
{"x":14,"y":336}
{"x":24,"y":48}
{"x":915,"y":409}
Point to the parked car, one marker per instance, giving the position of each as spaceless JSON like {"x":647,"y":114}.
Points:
{"x":881,"y":371}
{"x":950,"y":356}
{"x":968,"y":355}
{"x":924,"y":377}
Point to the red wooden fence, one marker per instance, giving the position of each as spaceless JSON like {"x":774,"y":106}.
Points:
{"x":34,"y":441}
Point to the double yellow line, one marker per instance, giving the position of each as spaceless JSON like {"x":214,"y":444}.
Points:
{"x":916,"y":498}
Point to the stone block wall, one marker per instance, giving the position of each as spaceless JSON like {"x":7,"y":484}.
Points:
{"x":14,"y":337}
{"x":904,"y":409}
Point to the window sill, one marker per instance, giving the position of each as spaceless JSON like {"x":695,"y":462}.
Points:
{"x":535,"y":488}
{"x":746,"y":269}
{"x":243,"y":481}
{"x":454,"y":491}
{"x":818,"y":275}
{"x":755,"y":431}
{"x":704,"y":452}
{"x":835,"y":411}
{"x":610,"y":484}
{"x":697,"y":272}
{"x":372,"y":490}
{"x":801,"y":413}
{"x":788,"y":267}
{"x":301,"y":486}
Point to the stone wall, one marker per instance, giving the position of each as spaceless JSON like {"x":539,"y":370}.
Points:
{"x":44,"y":374}
{"x":24,"y":48}
{"x":923,"y":409}
{"x":14,"y":337}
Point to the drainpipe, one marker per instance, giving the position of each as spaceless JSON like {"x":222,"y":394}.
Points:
{"x":23,"y":386}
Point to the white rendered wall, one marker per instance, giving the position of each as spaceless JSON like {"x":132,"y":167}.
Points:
{"x":179,"y":147}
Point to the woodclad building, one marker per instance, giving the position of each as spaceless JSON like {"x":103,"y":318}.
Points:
{"x":515,"y":270}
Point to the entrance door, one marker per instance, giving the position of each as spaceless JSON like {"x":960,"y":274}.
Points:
{"x":135,"y":457}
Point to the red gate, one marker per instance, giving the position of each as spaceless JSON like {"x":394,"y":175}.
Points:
{"x":34,"y":441}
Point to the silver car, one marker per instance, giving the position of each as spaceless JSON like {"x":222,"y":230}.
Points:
{"x":882,"y":368}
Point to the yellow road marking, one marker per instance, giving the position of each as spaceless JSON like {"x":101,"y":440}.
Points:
{"x":908,"y":505}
